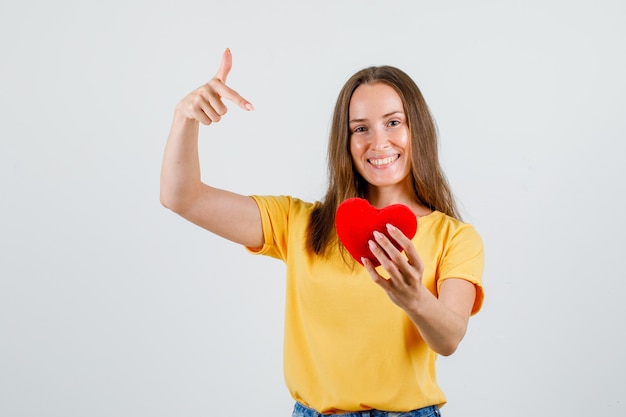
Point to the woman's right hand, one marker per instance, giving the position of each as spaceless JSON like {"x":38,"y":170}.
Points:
{"x":233,"y":216}
{"x":206,"y":104}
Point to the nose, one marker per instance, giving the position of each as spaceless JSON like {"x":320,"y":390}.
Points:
{"x":379,"y":139}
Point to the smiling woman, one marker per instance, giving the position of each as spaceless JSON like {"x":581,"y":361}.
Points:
{"x":354,"y":341}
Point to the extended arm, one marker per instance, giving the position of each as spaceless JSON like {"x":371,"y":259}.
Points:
{"x":230,"y":215}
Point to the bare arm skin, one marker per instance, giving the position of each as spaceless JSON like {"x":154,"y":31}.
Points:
{"x":233,"y":216}
{"x":442,"y":321}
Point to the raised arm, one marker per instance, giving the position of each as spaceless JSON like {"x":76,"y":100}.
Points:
{"x":233,"y":216}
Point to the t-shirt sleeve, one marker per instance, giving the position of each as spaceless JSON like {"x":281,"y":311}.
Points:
{"x":464,"y":259}
{"x":274,"y":212}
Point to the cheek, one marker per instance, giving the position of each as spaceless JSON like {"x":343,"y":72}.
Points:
{"x":356,"y":148}
{"x":404,"y":140}
{"x":356,"y":153}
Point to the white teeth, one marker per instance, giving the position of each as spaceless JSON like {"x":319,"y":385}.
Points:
{"x":385,"y":161}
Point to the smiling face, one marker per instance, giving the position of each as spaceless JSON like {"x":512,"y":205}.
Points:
{"x":379,"y":136}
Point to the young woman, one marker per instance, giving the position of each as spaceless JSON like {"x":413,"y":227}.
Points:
{"x":357,"y":338}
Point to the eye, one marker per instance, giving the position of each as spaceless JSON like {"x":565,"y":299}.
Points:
{"x":393,"y":123}
{"x":359,"y":129}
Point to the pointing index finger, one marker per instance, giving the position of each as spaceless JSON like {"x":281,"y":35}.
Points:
{"x":226,"y":92}
{"x":222,"y":89}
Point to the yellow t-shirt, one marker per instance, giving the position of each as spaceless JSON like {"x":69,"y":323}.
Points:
{"x":347,"y":346}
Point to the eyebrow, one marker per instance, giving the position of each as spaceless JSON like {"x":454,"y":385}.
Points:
{"x":383,"y":117}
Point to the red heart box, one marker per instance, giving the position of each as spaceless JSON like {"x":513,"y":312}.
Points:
{"x":356,"y":220}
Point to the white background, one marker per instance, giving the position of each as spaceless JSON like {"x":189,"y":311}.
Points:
{"x":110,"y":305}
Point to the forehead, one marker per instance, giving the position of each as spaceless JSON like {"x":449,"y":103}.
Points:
{"x":374,"y":99}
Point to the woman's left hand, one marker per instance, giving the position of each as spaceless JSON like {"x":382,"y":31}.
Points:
{"x":404,"y":285}
{"x":441,"y":320}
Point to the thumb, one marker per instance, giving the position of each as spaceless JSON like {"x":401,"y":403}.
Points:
{"x":225,"y":66}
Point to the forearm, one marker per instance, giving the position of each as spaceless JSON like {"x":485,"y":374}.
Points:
{"x":180,"y":170}
{"x":442,"y":319}
{"x":441,"y":328}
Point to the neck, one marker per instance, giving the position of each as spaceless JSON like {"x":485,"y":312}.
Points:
{"x":381,"y":197}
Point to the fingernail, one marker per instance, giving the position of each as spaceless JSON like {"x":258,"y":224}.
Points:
{"x":228,"y":50}
{"x":249,"y":106}
{"x":391,"y":227}
{"x":377,"y":234}
{"x":371,"y":244}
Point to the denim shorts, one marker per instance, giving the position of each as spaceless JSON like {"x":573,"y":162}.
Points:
{"x":300,"y":410}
